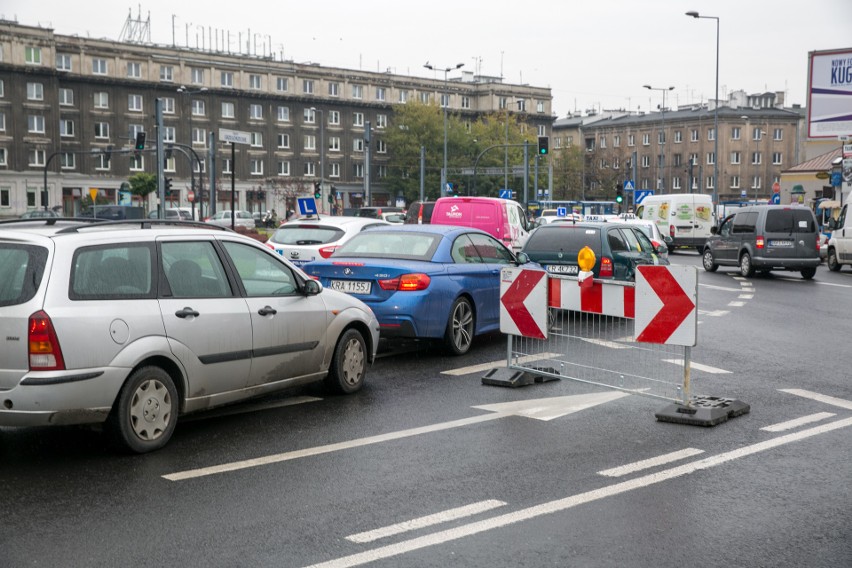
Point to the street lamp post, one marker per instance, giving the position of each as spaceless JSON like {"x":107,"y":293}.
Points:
{"x":695,"y":14}
{"x":322,"y":156}
{"x":662,"y":160}
{"x":446,"y":93}
{"x":189,"y":92}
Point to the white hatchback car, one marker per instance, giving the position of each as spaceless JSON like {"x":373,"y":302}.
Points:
{"x":133,"y":323}
{"x":241,"y":219}
{"x":310,"y":238}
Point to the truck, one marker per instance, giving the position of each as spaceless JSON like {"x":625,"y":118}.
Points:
{"x":685,"y":217}
{"x":840,"y":243}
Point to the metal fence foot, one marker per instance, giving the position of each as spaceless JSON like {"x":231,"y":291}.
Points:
{"x":505,"y":377}
{"x":703,"y":411}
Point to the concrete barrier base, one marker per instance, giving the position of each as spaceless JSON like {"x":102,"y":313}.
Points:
{"x":504,"y":377}
{"x":703,"y":411}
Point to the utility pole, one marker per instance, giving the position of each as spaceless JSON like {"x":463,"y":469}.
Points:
{"x":161,"y":186}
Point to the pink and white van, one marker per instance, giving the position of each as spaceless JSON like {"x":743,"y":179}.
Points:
{"x":502,"y":218}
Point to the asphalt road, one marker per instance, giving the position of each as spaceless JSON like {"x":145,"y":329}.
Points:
{"x":408,"y":473}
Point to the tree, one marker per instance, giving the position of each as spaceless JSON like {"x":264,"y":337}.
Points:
{"x":568,"y":170}
{"x":142,"y":184}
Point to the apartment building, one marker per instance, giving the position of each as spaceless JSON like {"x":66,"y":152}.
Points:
{"x":71,"y":107}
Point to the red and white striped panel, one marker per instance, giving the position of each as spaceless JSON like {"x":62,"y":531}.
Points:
{"x":602,"y":297}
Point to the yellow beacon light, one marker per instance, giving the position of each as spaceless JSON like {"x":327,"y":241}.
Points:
{"x":586,"y":259}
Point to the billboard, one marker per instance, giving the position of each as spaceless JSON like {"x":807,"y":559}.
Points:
{"x":830,"y":93}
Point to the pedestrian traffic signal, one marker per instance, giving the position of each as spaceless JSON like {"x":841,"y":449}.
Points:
{"x":619,"y":194}
{"x":543,"y":145}
{"x":140,"y":140}
{"x":317,"y":190}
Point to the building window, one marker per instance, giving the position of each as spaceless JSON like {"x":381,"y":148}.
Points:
{"x":539,"y":106}
{"x":4,"y":191}
{"x":134,"y":103}
{"x":310,"y":142}
{"x":502,"y":103}
{"x":445,"y":100}
{"x":465,"y":102}
{"x":646,"y":161}
{"x":134,"y":129}
{"x":676,"y":183}
{"x":226,"y":166}
{"x":310,"y":169}
{"x":66,"y":97}
{"x":198,"y":108}
{"x":711,"y":158}
{"x":778,"y":134}
{"x":334,"y":89}
{"x":381,"y":171}
{"x":255,"y":82}
{"x":542,"y":130}
{"x":735,"y":182}
{"x":102,"y":130}
{"x":2,"y":122}
{"x":283,"y":140}
{"x":358,"y":145}
{"x":167,"y":73}
{"x":646,"y":139}
{"x":334,"y":144}
{"x":256,"y":167}
{"x":381,"y":93}
{"x":35,"y":124}
{"x":631,"y":139}
{"x":334,"y":117}
{"x":134,"y":70}
{"x":168,"y":104}
{"x":256,"y":139}
{"x":283,"y":114}
{"x":102,"y":162}
{"x":99,"y":66}
{"x":66,"y":128}
{"x":358,"y":170}
{"x":283,"y":168}
{"x":35,"y":92}
{"x":197,"y":76}
{"x":711,"y":182}
{"x":199,"y":167}
{"x":358,"y":119}
{"x":255,"y":112}
{"x":67,"y":161}
{"x":101,"y":100}
{"x":678,"y":136}
{"x":711,"y":134}
{"x":357,"y":92}
{"x":616,"y":141}
{"x":757,"y":133}
{"x":282,"y":84}
{"x":381,"y":146}
{"x":735,"y":133}
{"x":603,"y":142}
{"x":32,"y":55}
{"x":63,"y":62}
{"x":693,"y":135}
{"x":756,"y":158}
{"x":735,"y":157}
{"x":755,"y":182}
{"x":424,"y":98}
{"x":308,"y":86}
{"x":335,"y":170}
{"x":228,"y":110}
{"x":310,"y":116}
{"x":227,"y":79}
{"x":199,"y":137}
{"x":381,"y":121}
{"x":616,"y":163}
{"x":169,"y":134}
{"x":661,"y":137}
{"x":137,"y":163}
{"x":403,"y":96}
{"x":37,"y":158}
{"x":776,"y":158}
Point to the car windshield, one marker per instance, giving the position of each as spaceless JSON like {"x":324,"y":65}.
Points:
{"x":307,"y":234}
{"x":386,"y":244}
{"x":550,"y":240}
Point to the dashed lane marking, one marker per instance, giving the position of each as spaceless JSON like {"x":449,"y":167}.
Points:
{"x":714,"y":313}
{"x":842,"y":403}
{"x":699,"y":367}
{"x":651,"y":462}
{"x":736,"y":304}
{"x":745,"y":296}
{"x":791,"y":424}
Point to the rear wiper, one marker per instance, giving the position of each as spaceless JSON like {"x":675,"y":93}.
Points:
{"x":309,"y":242}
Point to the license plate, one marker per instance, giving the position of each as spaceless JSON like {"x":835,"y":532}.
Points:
{"x":562,"y":269}
{"x":351,"y":286}
{"x":780,"y":243}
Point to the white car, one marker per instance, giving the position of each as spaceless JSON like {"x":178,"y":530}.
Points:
{"x":310,"y":238}
{"x":241,"y":219}
{"x":651,"y":231}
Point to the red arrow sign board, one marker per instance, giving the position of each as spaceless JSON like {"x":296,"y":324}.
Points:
{"x":523,"y":302}
{"x":666,"y":305}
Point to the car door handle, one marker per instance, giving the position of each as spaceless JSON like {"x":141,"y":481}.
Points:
{"x":186,"y":312}
{"x":267,"y":311}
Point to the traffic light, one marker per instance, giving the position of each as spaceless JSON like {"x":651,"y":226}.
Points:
{"x":167,"y":184}
{"x":140,"y":140}
{"x":317,"y":190}
{"x":619,"y":193}
{"x":543,"y":145}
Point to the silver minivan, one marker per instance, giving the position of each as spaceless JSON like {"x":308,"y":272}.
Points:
{"x":134,"y":323}
{"x":763,"y":238}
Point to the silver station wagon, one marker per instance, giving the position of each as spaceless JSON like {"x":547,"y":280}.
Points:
{"x":134,"y":323}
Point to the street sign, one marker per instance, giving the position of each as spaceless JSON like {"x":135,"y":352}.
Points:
{"x":666,"y":300}
{"x":307,"y":205}
{"x":743,"y":193}
{"x":190,"y":196}
{"x":640,"y":195}
{"x":629,"y":185}
{"x":234,"y":136}
{"x":776,"y":187}
{"x":775,"y":199}
{"x":505,"y":194}
{"x":561,"y":211}
{"x":523,"y":302}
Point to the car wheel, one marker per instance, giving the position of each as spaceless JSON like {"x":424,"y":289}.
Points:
{"x":809,"y":273}
{"x":746,"y":268}
{"x":833,"y":265}
{"x":349,"y":363}
{"x":708,"y":261}
{"x":459,"y":334}
{"x":145,"y":414}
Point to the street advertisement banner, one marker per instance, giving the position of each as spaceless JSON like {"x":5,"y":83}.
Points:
{"x":829,"y":93}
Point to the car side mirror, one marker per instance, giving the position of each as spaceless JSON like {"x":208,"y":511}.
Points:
{"x":714,"y":229}
{"x":832,"y":223}
{"x":662,"y":249}
{"x":668,"y":240}
{"x":312,"y":287}
{"x":522,"y":258}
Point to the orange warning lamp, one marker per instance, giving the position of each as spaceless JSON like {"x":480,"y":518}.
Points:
{"x":586,"y":259}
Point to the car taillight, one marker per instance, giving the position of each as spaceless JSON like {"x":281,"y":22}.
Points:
{"x":606,"y":268}
{"x":45,"y":354}
{"x":671,"y":231}
{"x":406,"y":283}
{"x":326,"y":252}
{"x":759,"y":242}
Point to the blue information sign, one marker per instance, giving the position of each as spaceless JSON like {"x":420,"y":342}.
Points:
{"x":776,"y":199}
{"x":628,"y":185}
{"x":561,"y":211}
{"x":307,"y":205}
{"x":640,"y":195}
{"x":505,"y":194}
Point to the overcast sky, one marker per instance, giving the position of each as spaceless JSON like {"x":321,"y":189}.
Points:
{"x":592,"y":54}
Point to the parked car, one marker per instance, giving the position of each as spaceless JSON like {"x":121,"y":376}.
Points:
{"x":619,"y":248}
{"x":764,"y":238}
{"x":114,"y":212}
{"x":503,"y":219}
{"x":175,"y":213}
{"x":377,"y":212}
{"x":419,"y":213}
{"x":40,"y":214}
{"x":422,"y":281}
{"x":309,"y":238}
{"x":241,"y":219}
{"x":106,"y":323}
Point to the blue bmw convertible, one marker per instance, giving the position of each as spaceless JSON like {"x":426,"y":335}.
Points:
{"x":422,"y":281}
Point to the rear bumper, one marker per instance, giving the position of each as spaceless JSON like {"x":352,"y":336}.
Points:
{"x":785,"y":263}
{"x":688,"y":242}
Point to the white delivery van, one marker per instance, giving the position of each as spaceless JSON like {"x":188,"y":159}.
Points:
{"x":685,"y":217}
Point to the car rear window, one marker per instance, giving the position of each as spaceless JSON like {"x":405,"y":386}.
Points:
{"x":387,"y":244}
{"x":21,"y":271}
{"x":565,"y":238}
{"x":307,"y":235}
{"x":790,"y":221}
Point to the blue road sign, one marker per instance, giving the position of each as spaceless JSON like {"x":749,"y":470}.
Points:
{"x":776,"y":199}
{"x":307,"y":205}
{"x":505,"y":194}
{"x":561,"y":211}
{"x":629,"y":186}
{"x":640,"y":194}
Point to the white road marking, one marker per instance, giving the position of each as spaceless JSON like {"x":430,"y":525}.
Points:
{"x":736,"y":304}
{"x":427,"y":521}
{"x":842,"y":403}
{"x":714,"y":314}
{"x":794,"y":279}
{"x":745,"y":296}
{"x":605,"y":343}
{"x":739,"y":278}
{"x":560,"y":505}
{"x":244,"y":408}
{"x":831,"y":284}
{"x":699,"y":367}
{"x":496,"y":364}
{"x":651,"y":462}
{"x":540,"y":409}
{"x":723,"y":288}
{"x":790,"y":424}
